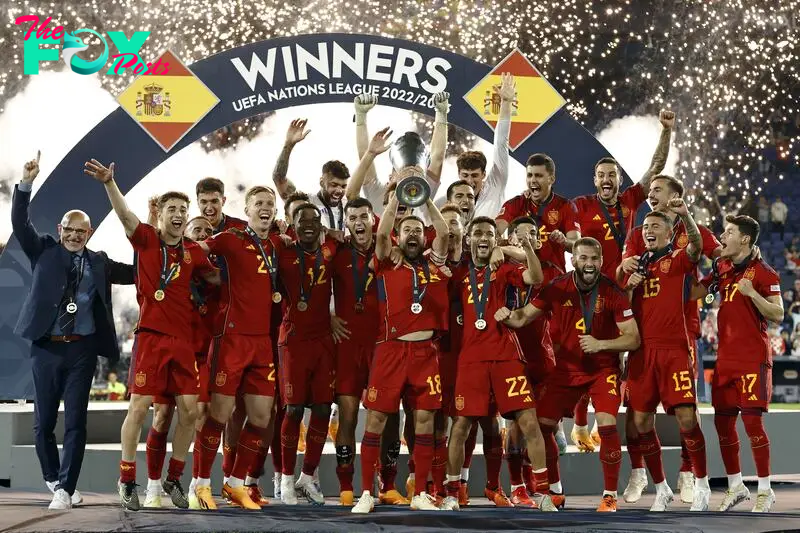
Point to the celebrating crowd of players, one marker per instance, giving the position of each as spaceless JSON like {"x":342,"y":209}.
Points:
{"x":459,"y":312}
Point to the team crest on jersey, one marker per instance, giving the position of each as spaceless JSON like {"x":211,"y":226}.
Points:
{"x":372,"y":394}
{"x":187,"y":258}
{"x":459,"y":403}
{"x":220,"y":379}
{"x":598,"y":305}
{"x":683,"y":241}
{"x":625,"y":211}
{"x":665,"y":264}
{"x":750,"y":273}
{"x":141,"y":379}
{"x":552,"y":217}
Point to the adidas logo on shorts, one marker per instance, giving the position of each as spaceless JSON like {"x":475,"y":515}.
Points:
{"x":688,"y":394}
{"x":753,"y":398}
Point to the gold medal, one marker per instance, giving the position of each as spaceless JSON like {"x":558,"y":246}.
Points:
{"x":710,"y":298}
{"x":159,"y":295}
{"x":276,"y":297}
{"x":302,"y":306}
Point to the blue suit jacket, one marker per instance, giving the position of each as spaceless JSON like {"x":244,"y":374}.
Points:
{"x":50,"y":263}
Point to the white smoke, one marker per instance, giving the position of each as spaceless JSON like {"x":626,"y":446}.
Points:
{"x":631,"y":141}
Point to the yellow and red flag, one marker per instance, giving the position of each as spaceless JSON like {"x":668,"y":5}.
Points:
{"x":537,"y":100}
{"x":168,"y":105}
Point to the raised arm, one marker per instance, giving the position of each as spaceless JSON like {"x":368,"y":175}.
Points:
{"x":498,"y":174}
{"x":363,"y":103}
{"x":152,"y":211}
{"x":294,"y":135}
{"x":383,"y":240}
{"x":105,"y":175}
{"x":659,"y":161}
{"x":533,"y":275}
{"x":29,"y":239}
{"x":378,"y":145}
{"x":695,"y":247}
{"x":119,"y":273}
{"x":441,"y":102}
{"x":439,"y":246}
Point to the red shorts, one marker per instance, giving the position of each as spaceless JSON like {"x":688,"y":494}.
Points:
{"x":563,"y":391}
{"x":242,"y":363}
{"x":405,"y":370}
{"x":353,"y":359}
{"x":660,"y":375}
{"x":482,"y":383}
{"x":163,"y":365}
{"x":737,"y":386}
{"x":204,"y":396}
{"x":448,"y":370}
{"x":308,"y":371}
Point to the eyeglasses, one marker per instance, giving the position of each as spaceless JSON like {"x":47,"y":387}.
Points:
{"x":79,"y":232}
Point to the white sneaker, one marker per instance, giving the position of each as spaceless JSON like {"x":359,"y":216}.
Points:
{"x":152,"y":497}
{"x":545,"y":503}
{"x":423,"y":502}
{"x":701,"y":497}
{"x":764,"y":501}
{"x":734,"y":497}
{"x":686,"y":486}
{"x":77,"y":498}
{"x":276,"y":485}
{"x":288,"y":495}
{"x":305,"y":486}
{"x":365,"y":504}
{"x":637,"y":484}
{"x":663,"y":498}
{"x":61,"y":501}
{"x":449,"y":504}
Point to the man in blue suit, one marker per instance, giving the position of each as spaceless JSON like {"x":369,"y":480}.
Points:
{"x":68,"y":318}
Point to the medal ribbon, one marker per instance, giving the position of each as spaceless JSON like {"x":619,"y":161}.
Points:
{"x":541,"y":209}
{"x":479,"y":300}
{"x":588,"y":311}
{"x":648,"y":258}
{"x":73,"y":289}
{"x":619,"y":233}
{"x":359,"y":278}
{"x":301,"y":257}
{"x":270,"y":260}
{"x":197,"y":296}
{"x":166,"y":277}
{"x":416,"y":292}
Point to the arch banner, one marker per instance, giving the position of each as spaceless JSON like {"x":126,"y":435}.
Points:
{"x":276,"y":74}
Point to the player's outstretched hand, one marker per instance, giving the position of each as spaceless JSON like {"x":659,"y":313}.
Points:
{"x":667,"y":118}
{"x":95,"y":169}
{"x":678,"y":206}
{"x":558,"y":237}
{"x":634,"y":281}
{"x":364,"y":102}
{"x":497,"y":258}
{"x":337,"y":234}
{"x":282,"y":226}
{"x":630,"y":264}
{"x":502,"y":314}
{"x":297,"y":131}
{"x":339,"y":330}
{"x":746,"y":287}
{"x":286,"y":239}
{"x":589,"y":344}
{"x":441,"y":101}
{"x":380,"y":142}
{"x":31,"y":169}
{"x":396,"y":256}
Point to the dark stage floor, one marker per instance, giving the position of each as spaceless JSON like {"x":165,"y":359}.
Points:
{"x":27,"y":511}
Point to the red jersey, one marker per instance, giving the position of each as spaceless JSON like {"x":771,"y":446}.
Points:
{"x":534,"y":339}
{"x":659,"y":302}
{"x":395,"y":290}
{"x":566,"y":302}
{"x":593,"y":216}
{"x":229,"y":222}
{"x":496,"y":342}
{"x":555,"y":213}
{"x":172,"y":315}
{"x":315,"y":321}
{"x":351,"y":270}
{"x":634,"y":245}
{"x":248,"y":289}
{"x":203,"y":320}
{"x":451,"y":342}
{"x":742,"y":329}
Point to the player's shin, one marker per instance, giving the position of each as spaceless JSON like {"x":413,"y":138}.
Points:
{"x":610,"y":457}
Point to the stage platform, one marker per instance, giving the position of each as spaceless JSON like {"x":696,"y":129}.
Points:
{"x":26,"y":511}
{"x":580,"y":472}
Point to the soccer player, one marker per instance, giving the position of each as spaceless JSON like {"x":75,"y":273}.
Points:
{"x":751,"y":296}
{"x":413,"y":304}
{"x":663,"y":188}
{"x":490,"y":362}
{"x":197,"y":229}
{"x":609,"y":216}
{"x":243,"y":361}
{"x":461,"y":194}
{"x":165,"y":360}
{"x":662,"y":370}
{"x":307,"y":353}
{"x":594,"y":323}
{"x":210,"y":200}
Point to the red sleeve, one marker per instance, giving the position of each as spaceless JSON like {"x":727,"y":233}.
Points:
{"x":510,"y":210}
{"x":633,"y":197}
{"x":629,"y":250}
{"x":202,"y":263}
{"x":332,"y":245}
{"x":621,"y":306}
{"x":710,"y":242}
{"x":685,"y":264}
{"x":220,"y":244}
{"x":768,"y":283}
{"x":512,"y":274}
{"x":569,"y":214}
{"x":544,"y":299}
{"x":143,"y":236}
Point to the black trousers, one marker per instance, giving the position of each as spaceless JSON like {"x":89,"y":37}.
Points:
{"x":62,"y":370}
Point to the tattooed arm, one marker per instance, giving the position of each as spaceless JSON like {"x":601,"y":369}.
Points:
{"x":659,"y":161}
{"x":294,"y":135}
{"x":695,"y":247}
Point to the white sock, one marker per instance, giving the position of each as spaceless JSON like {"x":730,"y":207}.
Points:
{"x":556,"y":487}
{"x":203,"y":482}
{"x":235,"y":482}
{"x":540,"y":470}
{"x":734,"y":480}
{"x":662,"y":487}
{"x":192,"y":484}
{"x":250,"y":481}
{"x":701,"y":482}
{"x":638,"y":472}
{"x":764,"y":484}
{"x":581,"y":428}
{"x":153,"y":484}
{"x":465,"y":474}
{"x":305,"y":478}
{"x":515,"y":487}
{"x":287,"y":479}
{"x":610,"y":493}
{"x":51,"y":485}
{"x":453,"y":479}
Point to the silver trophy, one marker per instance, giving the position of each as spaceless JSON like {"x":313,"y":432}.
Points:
{"x":410,"y":158}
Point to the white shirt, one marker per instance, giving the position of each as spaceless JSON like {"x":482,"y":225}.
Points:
{"x":375,"y":190}
{"x":779,"y":211}
{"x":332,"y":215}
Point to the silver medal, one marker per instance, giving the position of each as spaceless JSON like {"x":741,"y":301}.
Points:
{"x":416,"y":308}
{"x":480,"y":324}
{"x":72,"y":308}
